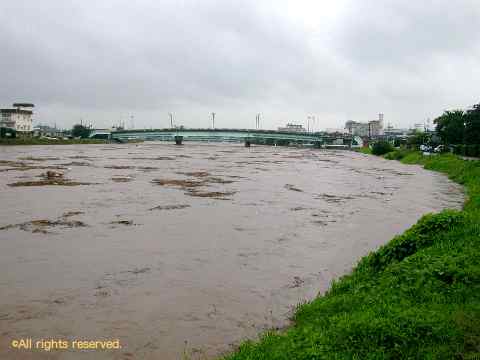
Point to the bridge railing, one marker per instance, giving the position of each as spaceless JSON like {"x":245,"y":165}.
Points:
{"x":215,"y":135}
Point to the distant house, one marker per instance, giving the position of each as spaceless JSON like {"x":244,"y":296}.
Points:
{"x":18,"y":119}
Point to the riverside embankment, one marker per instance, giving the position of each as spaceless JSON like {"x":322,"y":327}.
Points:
{"x":174,"y":249}
{"x":416,"y":297}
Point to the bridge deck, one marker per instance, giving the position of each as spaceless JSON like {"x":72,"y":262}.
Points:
{"x":254,"y":136}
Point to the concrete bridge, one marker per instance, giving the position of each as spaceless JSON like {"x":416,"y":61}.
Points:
{"x":267,"y":137}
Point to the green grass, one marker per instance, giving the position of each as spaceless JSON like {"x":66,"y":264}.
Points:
{"x":417,"y":297}
{"x":40,"y":141}
{"x":364,"y":150}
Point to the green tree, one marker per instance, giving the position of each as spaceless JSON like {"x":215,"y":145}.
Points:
{"x":451,"y":127}
{"x":418,"y":138}
{"x":79,"y":130}
{"x":472,"y":125}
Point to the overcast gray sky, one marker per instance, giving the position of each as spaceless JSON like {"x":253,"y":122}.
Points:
{"x":107,"y":60}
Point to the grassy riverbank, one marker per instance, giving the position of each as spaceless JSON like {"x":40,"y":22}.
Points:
{"x":40,"y":141}
{"x":416,"y":297}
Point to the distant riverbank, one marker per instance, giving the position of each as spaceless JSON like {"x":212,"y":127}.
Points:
{"x":43,"y":141}
{"x":418,"y":296}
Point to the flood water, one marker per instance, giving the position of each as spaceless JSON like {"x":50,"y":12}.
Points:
{"x":187,"y":249}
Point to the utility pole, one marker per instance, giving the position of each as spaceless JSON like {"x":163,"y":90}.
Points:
{"x":213,"y":120}
{"x":171,"y":120}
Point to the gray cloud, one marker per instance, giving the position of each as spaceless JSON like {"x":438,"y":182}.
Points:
{"x":342,"y":60}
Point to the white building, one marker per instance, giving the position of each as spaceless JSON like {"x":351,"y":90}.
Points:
{"x":336,"y":131}
{"x":395,"y":132}
{"x":294,"y":128}
{"x":357,"y":128}
{"x":18,"y":119}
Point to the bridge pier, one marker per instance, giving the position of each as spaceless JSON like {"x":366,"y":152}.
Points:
{"x":178,"y":140}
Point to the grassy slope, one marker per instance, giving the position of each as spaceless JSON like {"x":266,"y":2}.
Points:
{"x":416,"y":297}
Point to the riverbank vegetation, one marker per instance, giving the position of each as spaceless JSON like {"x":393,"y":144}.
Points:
{"x":381,"y":148}
{"x":418,"y":296}
{"x":458,"y":131}
{"x":461,"y":129}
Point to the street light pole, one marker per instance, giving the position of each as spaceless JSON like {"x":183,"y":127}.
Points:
{"x":171,"y":120}
{"x":213,"y":120}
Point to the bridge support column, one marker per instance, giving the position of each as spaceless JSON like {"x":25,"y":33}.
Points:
{"x":178,"y":140}
{"x":247,"y":143}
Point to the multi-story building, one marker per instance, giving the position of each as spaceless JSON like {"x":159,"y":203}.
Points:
{"x":18,"y":118}
{"x":357,"y":128}
{"x":372,"y":128}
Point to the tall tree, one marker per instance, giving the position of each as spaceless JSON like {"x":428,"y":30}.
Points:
{"x":451,"y":126}
{"x":472,"y":125}
{"x":79,"y":130}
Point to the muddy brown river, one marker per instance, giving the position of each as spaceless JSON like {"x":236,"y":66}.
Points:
{"x":186,"y":250}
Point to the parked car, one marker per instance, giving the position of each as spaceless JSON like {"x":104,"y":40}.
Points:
{"x":425,"y":148}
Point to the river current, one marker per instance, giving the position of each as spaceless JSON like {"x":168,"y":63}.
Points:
{"x":188,"y":249}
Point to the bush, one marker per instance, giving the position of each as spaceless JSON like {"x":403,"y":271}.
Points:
{"x":397,"y":154}
{"x":381,"y":148}
{"x":419,"y":236}
{"x":472,"y":150}
{"x":467,"y":150}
